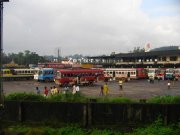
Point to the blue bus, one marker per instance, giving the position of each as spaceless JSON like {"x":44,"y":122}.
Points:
{"x":170,"y":74}
{"x":46,"y":74}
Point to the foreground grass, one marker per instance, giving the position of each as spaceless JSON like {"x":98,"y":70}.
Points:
{"x":155,"y":129}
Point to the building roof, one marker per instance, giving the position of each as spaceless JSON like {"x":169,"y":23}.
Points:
{"x":140,"y":54}
{"x":149,"y":54}
{"x":166,"y":48}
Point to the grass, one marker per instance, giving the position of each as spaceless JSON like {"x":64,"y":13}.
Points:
{"x":165,"y":99}
{"x":156,"y":128}
{"x":78,"y":97}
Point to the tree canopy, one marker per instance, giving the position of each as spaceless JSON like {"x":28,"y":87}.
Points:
{"x":23,"y":58}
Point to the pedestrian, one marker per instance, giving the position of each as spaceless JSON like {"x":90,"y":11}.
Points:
{"x":46,"y":91}
{"x":77,"y":89}
{"x":169,"y":84}
{"x":105,"y":89}
{"x":66,"y":89}
{"x":120,"y":84}
{"x":37,"y":90}
{"x":52,"y":91}
{"x":55,"y":90}
{"x":74,"y":89}
{"x":101,"y":91}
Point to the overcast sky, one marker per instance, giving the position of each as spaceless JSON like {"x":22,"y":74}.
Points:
{"x":89,"y":27}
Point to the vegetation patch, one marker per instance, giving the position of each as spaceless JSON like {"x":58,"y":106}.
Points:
{"x":25,"y":97}
{"x":78,"y":97}
{"x":115,"y":100}
{"x":165,"y":99}
{"x":157,"y":128}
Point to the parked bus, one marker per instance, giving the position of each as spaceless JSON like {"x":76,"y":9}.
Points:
{"x":125,"y":73}
{"x":78,"y":76}
{"x":46,"y":74}
{"x":36,"y":73}
{"x":170,"y":74}
{"x":18,"y":74}
{"x":152,"y":73}
{"x":161,"y":73}
{"x":177,"y":73}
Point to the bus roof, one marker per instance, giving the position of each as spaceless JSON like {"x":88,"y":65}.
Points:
{"x":80,"y":71}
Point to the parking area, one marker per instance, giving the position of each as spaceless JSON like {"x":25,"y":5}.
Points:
{"x":136,"y":89}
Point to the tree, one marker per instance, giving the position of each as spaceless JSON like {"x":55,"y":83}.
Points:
{"x":23,"y":58}
{"x":137,"y":50}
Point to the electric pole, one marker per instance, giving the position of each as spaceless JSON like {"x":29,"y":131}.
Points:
{"x":1,"y":55}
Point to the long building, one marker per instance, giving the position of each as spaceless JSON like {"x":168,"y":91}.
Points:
{"x":168,"y":57}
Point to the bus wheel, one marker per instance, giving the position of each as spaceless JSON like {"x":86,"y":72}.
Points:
{"x":91,"y":83}
{"x":46,"y":80}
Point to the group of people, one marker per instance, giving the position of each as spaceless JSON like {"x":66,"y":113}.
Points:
{"x":54,"y":90}
{"x":105,"y":89}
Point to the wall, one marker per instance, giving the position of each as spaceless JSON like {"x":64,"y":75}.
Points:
{"x":91,"y":114}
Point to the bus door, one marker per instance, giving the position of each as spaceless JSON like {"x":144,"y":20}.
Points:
{"x":114,"y":75}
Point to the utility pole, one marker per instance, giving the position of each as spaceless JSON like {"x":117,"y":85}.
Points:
{"x":1,"y":55}
{"x":59,"y":55}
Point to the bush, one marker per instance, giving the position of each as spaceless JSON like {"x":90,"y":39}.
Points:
{"x":157,"y":128}
{"x":68,"y":97}
{"x":164,"y":99}
{"x":25,"y":97}
{"x":115,"y":100}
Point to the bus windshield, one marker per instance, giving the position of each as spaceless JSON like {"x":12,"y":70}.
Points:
{"x":40,"y":72}
{"x":58,"y":75}
{"x":151,"y":71}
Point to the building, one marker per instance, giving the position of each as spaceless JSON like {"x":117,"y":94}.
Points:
{"x":155,"y":58}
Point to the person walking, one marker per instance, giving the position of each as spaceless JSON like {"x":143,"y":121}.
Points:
{"x":55,"y":90}
{"x":77,"y":89}
{"x":37,"y":90}
{"x":169,"y":84}
{"x":101,"y":91}
{"x":74,"y":89}
{"x":46,"y":91}
{"x":120,"y":84}
{"x":105,"y":89}
{"x":52,"y":91}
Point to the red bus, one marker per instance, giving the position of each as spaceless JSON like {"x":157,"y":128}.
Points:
{"x":54,"y":65}
{"x":161,"y":73}
{"x":78,"y":76}
{"x":125,"y":73}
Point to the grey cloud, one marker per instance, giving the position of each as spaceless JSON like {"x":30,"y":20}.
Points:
{"x":88,"y":27}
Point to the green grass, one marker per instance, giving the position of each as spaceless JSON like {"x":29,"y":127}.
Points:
{"x":115,"y":100}
{"x":78,"y":97}
{"x":156,"y":128}
{"x":164,"y":99}
{"x":25,"y":97}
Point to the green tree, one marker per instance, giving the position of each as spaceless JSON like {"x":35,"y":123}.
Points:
{"x":137,"y":50}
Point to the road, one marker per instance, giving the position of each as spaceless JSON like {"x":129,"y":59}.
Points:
{"x":136,"y":89}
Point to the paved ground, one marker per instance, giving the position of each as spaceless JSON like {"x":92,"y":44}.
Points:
{"x":133,"y":89}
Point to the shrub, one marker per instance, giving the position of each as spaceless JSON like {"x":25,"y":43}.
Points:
{"x":68,"y":97}
{"x":25,"y":97}
{"x":164,"y":99}
{"x":115,"y":100}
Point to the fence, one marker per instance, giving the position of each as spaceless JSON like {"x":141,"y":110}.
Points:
{"x":90,"y":114}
